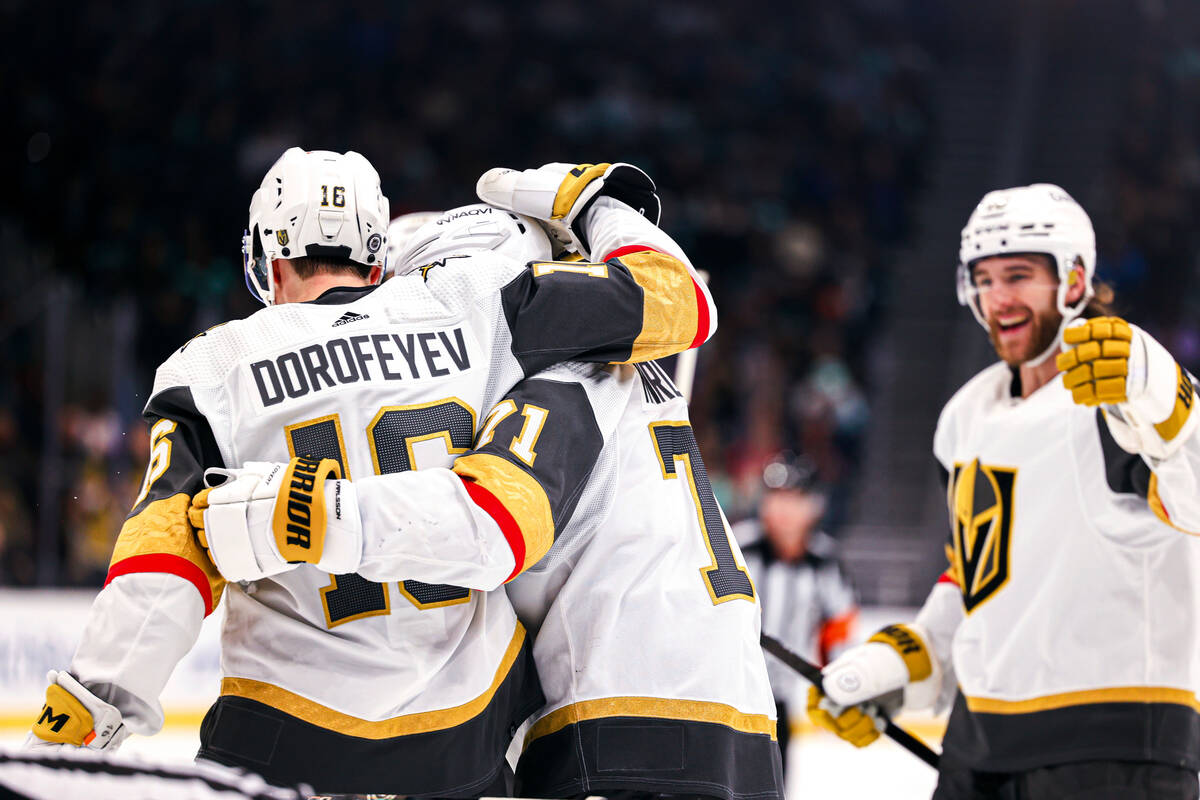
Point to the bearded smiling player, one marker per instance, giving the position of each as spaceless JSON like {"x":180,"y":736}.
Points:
{"x":1065,"y":630}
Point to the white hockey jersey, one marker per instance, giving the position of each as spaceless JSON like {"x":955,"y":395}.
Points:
{"x":382,"y":380}
{"x":647,"y":628}
{"x":1069,"y":612}
{"x":646,"y":620}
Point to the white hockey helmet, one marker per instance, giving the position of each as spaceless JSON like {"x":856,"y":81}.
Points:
{"x":1040,"y":218}
{"x":469,"y":229}
{"x":316,"y":203}
{"x":399,"y":232}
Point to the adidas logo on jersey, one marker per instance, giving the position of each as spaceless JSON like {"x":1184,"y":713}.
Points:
{"x":348,"y":317}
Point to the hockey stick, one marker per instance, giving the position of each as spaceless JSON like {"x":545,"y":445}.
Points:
{"x":812,"y":673}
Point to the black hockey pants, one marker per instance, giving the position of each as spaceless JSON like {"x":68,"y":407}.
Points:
{"x":1084,"y":780}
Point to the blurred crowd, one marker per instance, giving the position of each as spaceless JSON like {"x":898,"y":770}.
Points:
{"x":1150,"y":251}
{"x":788,"y":139}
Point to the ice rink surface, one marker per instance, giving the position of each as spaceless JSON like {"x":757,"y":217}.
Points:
{"x":824,"y":767}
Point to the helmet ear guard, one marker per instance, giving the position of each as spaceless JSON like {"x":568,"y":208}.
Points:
{"x":260,"y":279}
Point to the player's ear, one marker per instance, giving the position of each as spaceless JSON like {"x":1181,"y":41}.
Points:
{"x":1075,"y":284}
{"x":375,"y":274}
{"x":277,"y":273}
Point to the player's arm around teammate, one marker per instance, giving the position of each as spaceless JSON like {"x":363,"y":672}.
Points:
{"x":478,"y":524}
{"x":497,"y":512}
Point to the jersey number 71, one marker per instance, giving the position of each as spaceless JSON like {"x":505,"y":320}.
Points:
{"x":676,"y":446}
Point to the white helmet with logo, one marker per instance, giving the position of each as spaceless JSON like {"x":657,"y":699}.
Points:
{"x":469,"y":229}
{"x":316,"y":203}
{"x":1041,"y":218}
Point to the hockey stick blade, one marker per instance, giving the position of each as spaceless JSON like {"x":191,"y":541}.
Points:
{"x":812,"y":673}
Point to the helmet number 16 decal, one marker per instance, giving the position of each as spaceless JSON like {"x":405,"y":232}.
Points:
{"x":339,"y":196}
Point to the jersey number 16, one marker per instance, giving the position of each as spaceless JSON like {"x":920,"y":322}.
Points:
{"x":392,"y":434}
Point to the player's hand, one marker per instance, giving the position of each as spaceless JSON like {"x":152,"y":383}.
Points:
{"x":1109,"y":362}
{"x":267,"y":518}
{"x":1096,"y":366}
{"x":859,"y":725}
{"x":560,"y":194}
{"x":74,"y":717}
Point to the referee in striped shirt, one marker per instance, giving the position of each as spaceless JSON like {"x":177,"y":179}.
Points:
{"x":807,"y":601}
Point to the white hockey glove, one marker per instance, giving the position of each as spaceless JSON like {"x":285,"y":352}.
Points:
{"x":1147,"y":397}
{"x":560,"y":194}
{"x":74,"y":717}
{"x":892,"y":669}
{"x":267,"y":518}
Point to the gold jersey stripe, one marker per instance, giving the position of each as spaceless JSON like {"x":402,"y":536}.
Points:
{"x":1114,"y":694}
{"x":671,"y":315}
{"x":162,"y":528}
{"x":1169,"y":428}
{"x":653,"y":708}
{"x":521,"y":495}
{"x":190,"y":719}
{"x":406,"y":725}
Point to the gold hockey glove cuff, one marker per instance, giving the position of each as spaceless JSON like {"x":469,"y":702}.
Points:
{"x":299,"y":519}
{"x":908,"y":643}
{"x":268,"y":518}
{"x":894,"y":659}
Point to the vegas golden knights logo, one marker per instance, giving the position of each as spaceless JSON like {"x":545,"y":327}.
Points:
{"x":281,"y":237}
{"x":981,"y":506}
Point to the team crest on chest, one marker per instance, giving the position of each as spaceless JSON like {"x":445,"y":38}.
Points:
{"x":980,"y":497}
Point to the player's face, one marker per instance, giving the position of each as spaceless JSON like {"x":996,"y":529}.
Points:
{"x":788,"y":517}
{"x":1018,"y":300}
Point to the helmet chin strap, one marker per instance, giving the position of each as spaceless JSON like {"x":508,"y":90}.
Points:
{"x":1054,"y":347}
{"x":1069,"y":314}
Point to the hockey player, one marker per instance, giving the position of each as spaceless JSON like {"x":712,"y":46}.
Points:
{"x":647,"y":642}
{"x":1067,"y":617}
{"x":331,"y":679}
{"x":808,"y":602}
{"x":647,"y":622}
